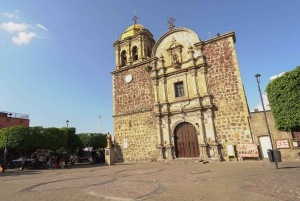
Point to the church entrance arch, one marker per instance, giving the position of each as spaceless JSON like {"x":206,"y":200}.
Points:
{"x":186,"y":141}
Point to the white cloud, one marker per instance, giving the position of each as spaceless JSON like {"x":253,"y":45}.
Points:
{"x":276,"y":76}
{"x":23,"y":38}
{"x":42,"y":27}
{"x":266,"y":104}
{"x":13,"y":27}
{"x":7,"y":15}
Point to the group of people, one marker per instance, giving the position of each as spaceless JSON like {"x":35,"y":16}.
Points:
{"x":55,"y":161}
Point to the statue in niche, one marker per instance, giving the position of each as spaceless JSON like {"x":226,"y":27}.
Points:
{"x":175,"y":58}
{"x":175,"y":53}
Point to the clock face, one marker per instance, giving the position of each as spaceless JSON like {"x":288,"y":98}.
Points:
{"x":128,"y":78}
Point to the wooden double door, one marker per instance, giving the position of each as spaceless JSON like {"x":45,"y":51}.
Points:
{"x":186,"y":141}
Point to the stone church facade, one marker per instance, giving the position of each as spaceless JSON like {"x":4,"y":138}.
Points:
{"x":178,"y":97}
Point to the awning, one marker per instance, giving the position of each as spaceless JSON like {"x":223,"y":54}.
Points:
{"x":87,"y":149}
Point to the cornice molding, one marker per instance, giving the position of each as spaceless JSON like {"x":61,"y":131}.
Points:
{"x":130,"y":113}
{"x":156,"y":77}
{"x":144,"y":32}
{"x":134,"y":65}
{"x":217,"y":38}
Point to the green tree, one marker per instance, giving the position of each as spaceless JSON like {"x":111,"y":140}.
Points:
{"x":284,"y":99}
{"x":74,"y":141}
{"x":54,"y":138}
{"x":95,"y":140}
{"x":20,"y":138}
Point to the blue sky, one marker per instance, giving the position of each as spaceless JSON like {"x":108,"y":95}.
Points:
{"x":56,"y":56}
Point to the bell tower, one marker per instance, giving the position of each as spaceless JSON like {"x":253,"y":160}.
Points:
{"x":133,"y":96}
{"x":135,"y":45}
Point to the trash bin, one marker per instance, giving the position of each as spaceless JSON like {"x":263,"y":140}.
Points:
{"x":277,"y":155}
{"x":271,"y":155}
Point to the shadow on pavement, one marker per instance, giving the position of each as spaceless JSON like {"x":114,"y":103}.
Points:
{"x":289,"y":167}
{"x":19,"y":172}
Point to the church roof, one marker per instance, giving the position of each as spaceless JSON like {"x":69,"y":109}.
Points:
{"x":130,"y":31}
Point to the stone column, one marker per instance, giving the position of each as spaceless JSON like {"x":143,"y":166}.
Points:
{"x":201,"y":129}
{"x":140,"y":48}
{"x":203,"y":151}
{"x":159,"y":149}
{"x":202,"y":138}
{"x":194,"y":82}
{"x":168,"y":135}
{"x":169,"y":154}
{"x":203,"y":80}
{"x":159,"y":145}
{"x":164,"y":103}
{"x":209,"y":125}
{"x":164,"y":85}
{"x":130,"y":60}
{"x":118,"y":56}
{"x":155,"y":85}
{"x":211,"y":136}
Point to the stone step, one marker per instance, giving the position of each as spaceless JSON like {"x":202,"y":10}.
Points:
{"x":183,"y":161}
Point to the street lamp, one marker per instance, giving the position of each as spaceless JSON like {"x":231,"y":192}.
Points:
{"x":262,"y":102}
{"x":67,"y":123}
{"x":7,"y":132}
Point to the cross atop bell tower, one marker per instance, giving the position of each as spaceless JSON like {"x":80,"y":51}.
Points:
{"x":171,"y":23}
{"x":135,"y":17}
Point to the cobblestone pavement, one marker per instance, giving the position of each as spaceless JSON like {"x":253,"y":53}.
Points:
{"x":248,"y":180}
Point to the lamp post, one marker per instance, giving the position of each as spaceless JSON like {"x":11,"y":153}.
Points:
{"x":7,"y":132}
{"x":99,"y":117}
{"x":262,"y":102}
{"x":67,"y":123}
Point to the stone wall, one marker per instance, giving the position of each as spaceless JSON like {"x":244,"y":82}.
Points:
{"x":134,"y":96}
{"x":259,"y":128}
{"x":140,"y":132}
{"x":133,"y":116}
{"x":225,"y":85}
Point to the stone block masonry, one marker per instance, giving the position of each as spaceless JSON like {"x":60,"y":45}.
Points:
{"x":140,"y":133}
{"x":134,"y":96}
{"x":225,"y":85}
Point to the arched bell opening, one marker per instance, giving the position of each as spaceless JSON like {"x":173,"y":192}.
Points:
{"x":135,"y":53}
{"x":124,"y":58}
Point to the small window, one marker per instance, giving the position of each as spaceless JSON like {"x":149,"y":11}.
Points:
{"x":179,"y":90}
{"x":135,"y":53}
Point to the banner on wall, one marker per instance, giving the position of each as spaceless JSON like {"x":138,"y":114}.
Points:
{"x":247,"y":150}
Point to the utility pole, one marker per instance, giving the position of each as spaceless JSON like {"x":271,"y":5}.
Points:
{"x":99,"y":117}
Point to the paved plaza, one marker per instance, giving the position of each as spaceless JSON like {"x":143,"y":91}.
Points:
{"x":248,"y":180}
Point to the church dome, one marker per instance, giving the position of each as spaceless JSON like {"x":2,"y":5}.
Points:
{"x":130,"y":31}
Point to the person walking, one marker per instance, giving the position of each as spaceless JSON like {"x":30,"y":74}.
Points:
{"x":53,"y":162}
{"x":72,"y":160}
{"x":66,"y":161}
{"x":61,"y":162}
{"x":50,"y":162}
